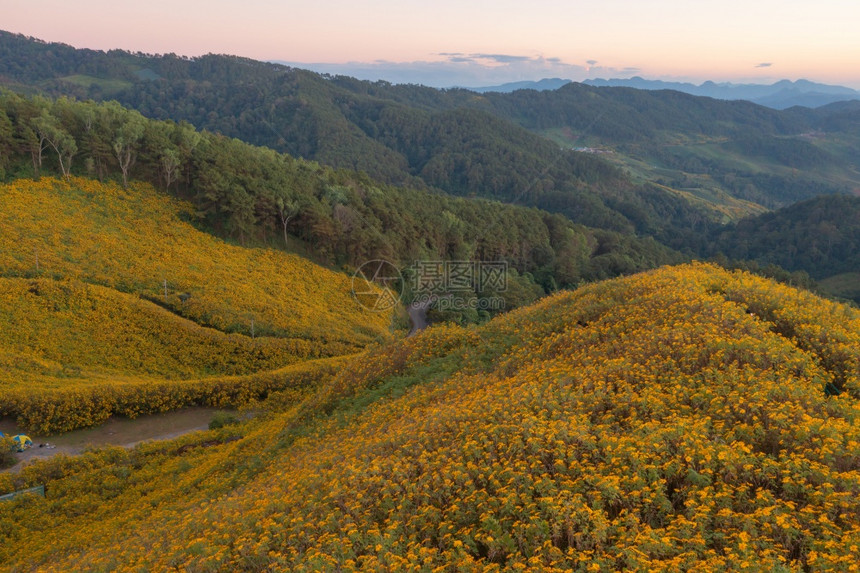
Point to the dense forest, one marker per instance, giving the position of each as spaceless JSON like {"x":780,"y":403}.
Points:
{"x":821,"y":234}
{"x":461,"y":151}
{"x":258,"y":196}
{"x":488,"y":145}
{"x":680,"y":165}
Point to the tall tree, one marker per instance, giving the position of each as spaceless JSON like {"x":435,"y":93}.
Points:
{"x":169,"y":164}
{"x":187,"y":139}
{"x":127,"y":129}
{"x":23,"y":111}
{"x":126,"y":141}
{"x":161,"y":151}
{"x":95,"y":137}
{"x":287,"y":209}
{"x":50,"y":130}
{"x":6,"y":142}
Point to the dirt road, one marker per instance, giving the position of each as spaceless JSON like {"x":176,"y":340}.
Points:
{"x":115,"y":432}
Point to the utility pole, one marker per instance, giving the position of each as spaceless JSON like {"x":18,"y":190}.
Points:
{"x":165,"y":290}
{"x":252,"y":328}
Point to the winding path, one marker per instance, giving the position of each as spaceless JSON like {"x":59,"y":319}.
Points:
{"x":127,"y":433}
{"x":115,"y":432}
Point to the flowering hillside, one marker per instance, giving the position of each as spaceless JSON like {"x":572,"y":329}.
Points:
{"x":135,"y":240}
{"x":688,"y":418}
{"x":58,"y":331}
{"x":110,"y":302}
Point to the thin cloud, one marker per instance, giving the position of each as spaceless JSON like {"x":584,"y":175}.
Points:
{"x":764,"y":65}
{"x":503,"y":58}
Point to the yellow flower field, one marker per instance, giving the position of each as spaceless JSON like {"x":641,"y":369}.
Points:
{"x":674,"y":420}
{"x":58,"y":331}
{"x":87,"y":328}
{"x":136,"y":239}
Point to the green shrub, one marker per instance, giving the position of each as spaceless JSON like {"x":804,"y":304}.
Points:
{"x":221,"y":419}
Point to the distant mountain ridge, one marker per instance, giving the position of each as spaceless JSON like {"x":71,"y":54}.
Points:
{"x":780,"y":95}
{"x":540,"y":85}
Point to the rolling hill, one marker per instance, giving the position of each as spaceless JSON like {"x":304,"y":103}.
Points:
{"x":392,"y":132}
{"x":132,"y":240}
{"x":65,"y":332}
{"x":651,"y":163}
{"x":342,"y":218}
{"x":113,"y":303}
{"x":821,"y":234}
{"x":682,"y":418}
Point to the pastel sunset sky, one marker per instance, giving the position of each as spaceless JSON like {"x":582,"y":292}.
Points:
{"x":473,"y":42}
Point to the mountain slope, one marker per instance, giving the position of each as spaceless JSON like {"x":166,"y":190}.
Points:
{"x":61,"y":333}
{"x":821,"y":234}
{"x":651,"y":422}
{"x":257,"y":196}
{"x":371,"y":127}
{"x":112,"y":303}
{"x":693,"y":143}
{"x":134,"y":240}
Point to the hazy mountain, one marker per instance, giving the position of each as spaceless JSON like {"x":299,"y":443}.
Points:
{"x":780,"y":95}
{"x":540,"y":85}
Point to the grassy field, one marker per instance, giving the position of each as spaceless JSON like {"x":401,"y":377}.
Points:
{"x":108,"y":86}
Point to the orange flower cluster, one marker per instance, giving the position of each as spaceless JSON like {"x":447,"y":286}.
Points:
{"x":56,"y":331}
{"x":673,"y":420}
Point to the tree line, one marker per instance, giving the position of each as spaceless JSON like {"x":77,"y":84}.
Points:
{"x":256,"y":195}
{"x":453,"y":140}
